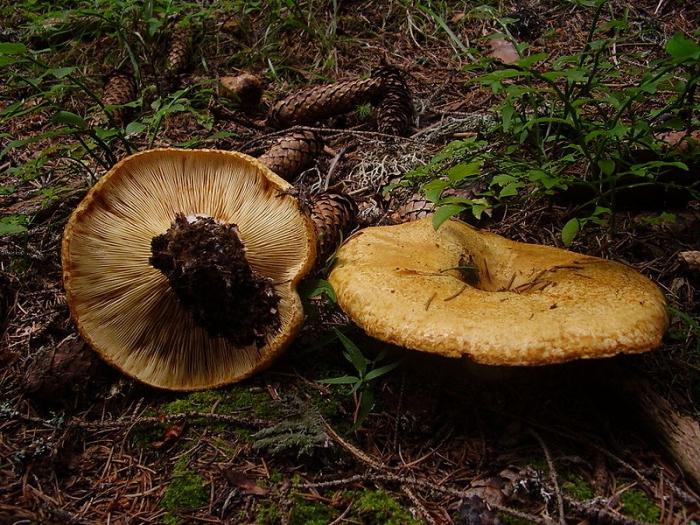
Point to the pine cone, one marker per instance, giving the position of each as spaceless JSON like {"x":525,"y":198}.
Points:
{"x":178,"y":51}
{"x":323,"y":102}
{"x":120,"y":89}
{"x":395,"y":110}
{"x":292,"y":153}
{"x":334,"y":217}
{"x":417,"y":207}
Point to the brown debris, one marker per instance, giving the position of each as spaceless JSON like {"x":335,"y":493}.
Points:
{"x":57,"y":373}
{"x":293,"y":153}
{"x":206,"y":266}
{"x":395,"y":110}
{"x":322,"y":102}
{"x":503,"y":50}
{"x":245,"y":90}
{"x":691,"y":259}
{"x":334,"y":216}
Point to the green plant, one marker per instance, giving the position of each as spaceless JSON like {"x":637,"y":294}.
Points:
{"x":562,"y":124}
{"x":360,"y":384}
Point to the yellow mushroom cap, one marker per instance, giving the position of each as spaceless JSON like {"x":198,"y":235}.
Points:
{"x":459,"y":292}
{"x":126,"y":310}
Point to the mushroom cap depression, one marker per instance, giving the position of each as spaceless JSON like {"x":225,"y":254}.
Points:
{"x":459,"y":292}
{"x":125,"y":308}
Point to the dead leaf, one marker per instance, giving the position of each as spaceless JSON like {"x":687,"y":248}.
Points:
{"x":503,"y":50}
{"x":244,"y":482}
{"x":171,"y":434}
{"x":680,"y":141}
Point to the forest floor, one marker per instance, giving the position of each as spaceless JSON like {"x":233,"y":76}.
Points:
{"x":445,"y":441}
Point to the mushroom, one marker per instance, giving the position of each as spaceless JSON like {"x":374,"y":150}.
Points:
{"x":460,"y":292}
{"x":180,"y":267}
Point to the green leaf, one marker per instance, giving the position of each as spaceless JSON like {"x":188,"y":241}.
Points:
{"x":463,"y":170}
{"x":445,"y":212}
{"x":316,"y":287}
{"x":134,"y":128}
{"x":378,"y":372}
{"x":61,"y":72}
{"x":532,"y":59}
{"x":352,"y":353}
{"x":433,"y":189}
{"x":13,"y":224}
{"x":502,"y":179}
{"x":342,"y":380}
{"x":569,"y":231}
{"x":7,"y":190}
{"x":70,"y":119}
{"x":12,"y":48}
{"x":366,"y":405}
{"x":681,"y":48}
{"x":607,"y":166}
{"x":510,"y":190}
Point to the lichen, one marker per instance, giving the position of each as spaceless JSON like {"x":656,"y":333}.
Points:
{"x":377,"y":507}
{"x":636,"y":504}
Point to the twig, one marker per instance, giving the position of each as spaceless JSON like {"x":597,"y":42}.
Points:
{"x":597,"y":511}
{"x":340,"y":518}
{"x":356,"y":452}
{"x":424,"y":485}
{"x":419,"y":505}
{"x":552,"y":477}
{"x":126,"y":422}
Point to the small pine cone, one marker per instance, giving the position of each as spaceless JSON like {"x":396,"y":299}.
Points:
{"x":417,"y":207}
{"x":120,"y":89}
{"x":395,"y":109}
{"x":334,"y":216}
{"x":323,"y":102}
{"x":178,"y":51}
{"x":293,"y":153}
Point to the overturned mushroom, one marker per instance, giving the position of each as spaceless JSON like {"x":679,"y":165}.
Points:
{"x":459,"y":292}
{"x":180,"y":267}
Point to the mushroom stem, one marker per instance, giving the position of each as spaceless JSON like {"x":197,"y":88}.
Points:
{"x":206,"y":266}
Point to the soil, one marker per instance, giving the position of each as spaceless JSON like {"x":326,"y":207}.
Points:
{"x":206,"y":266}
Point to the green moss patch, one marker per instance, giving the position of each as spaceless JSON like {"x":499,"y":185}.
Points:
{"x":268,"y":514}
{"x":187,"y":490}
{"x":310,"y":513}
{"x":578,"y":488}
{"x":636,"y":504}
{"x":377,"y":507}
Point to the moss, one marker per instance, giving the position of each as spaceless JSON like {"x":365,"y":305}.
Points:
{"x":276,"y":476}
{"x":194,"y":402}
{"x":144,"y":436}
{"x":636,"y":504}
{"x":309,"y":513}
{"x":186,"y":491}
{"x":268,"y":514}
{"x":256,"y":399}
{"x":578,"y":488}
{"x":377,"y":507}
